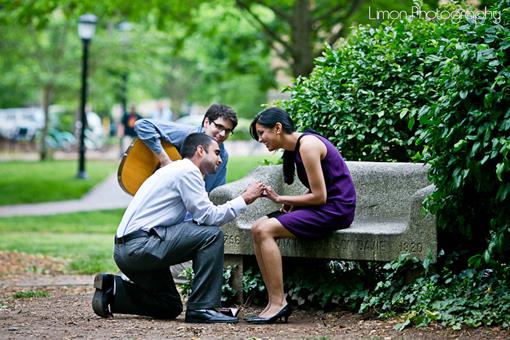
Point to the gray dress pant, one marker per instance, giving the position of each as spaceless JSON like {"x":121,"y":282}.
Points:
{"x":146,"y":260}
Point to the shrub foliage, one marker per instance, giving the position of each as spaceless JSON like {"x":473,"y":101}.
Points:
{"x":472,"y":297}
{"x":432,"y":91}
{"x":436,"y":92}
{"x":465,"y":134}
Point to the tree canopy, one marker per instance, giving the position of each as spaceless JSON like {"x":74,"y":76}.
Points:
{"x":296,"y":30}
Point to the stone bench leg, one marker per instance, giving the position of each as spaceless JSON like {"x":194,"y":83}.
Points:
{"x":236,"y":262}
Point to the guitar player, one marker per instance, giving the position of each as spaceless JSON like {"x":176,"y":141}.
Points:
{"x":219,"y":122}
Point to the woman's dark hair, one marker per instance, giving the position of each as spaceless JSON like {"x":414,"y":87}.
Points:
{"x":268,"y":118}
{"x":193,"y":141}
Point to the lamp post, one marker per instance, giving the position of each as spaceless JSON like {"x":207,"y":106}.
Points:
{"x":86,"y":30}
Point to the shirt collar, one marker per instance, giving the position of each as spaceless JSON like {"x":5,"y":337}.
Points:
{"x":201,"y":129}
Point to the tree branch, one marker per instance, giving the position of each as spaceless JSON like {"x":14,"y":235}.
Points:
{"x":282,"y":54}
{"x":335,"y":36}
{"x":328,"y":13}
{"x":269,"y":32}
{"x":355,"y":4}
{"x":279,"y":12}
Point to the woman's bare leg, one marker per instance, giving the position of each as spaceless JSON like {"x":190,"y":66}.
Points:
{"x":258,"y":256}
{"x":265,"y":234}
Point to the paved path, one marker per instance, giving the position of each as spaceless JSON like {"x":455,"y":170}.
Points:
{"x":106,"y":195}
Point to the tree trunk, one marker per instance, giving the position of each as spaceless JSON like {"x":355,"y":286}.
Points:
{"x":47,"y":93}
{"x":301,"y":38}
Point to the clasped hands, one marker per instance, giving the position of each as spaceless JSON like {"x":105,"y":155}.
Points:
{"x":258,"y":189}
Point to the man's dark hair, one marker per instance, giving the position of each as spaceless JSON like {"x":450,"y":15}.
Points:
{"x":216,"y":111}
{"x":191,"y":143}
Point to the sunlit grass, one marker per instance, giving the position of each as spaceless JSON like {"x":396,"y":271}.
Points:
{"x":26,"y":294}
{"x":240,"y":166}
{"x":32,"y":182}
{"x":95,"y":222}
{"x":86,"y":253}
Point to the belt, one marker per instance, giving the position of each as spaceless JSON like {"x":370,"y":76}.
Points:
{"x":131,"y":236}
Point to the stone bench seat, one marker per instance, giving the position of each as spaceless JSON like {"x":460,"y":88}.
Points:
{"x":389,"y":219}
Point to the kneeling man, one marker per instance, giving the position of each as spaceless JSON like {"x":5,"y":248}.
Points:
{"x":152,"y":236}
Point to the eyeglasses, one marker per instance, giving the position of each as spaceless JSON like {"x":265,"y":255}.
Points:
{"x":222,"y":128}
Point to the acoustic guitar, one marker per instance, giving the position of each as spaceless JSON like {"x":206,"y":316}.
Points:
{"x":139,"y":162}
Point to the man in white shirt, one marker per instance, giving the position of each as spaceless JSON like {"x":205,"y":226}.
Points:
{"x":152,"y":236}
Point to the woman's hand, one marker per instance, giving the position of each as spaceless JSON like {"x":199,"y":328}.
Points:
{"x":286,"y":208}
{"x":271,"y":194}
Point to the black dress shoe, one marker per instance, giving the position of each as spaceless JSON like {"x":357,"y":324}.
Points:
{"x":208,"y":316}
{"x":103,"y":295}
{"x":283,"y":314}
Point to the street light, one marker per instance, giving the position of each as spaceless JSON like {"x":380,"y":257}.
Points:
{"x":86,"y":30}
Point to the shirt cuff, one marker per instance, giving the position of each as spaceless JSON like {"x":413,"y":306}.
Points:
{"x":238,"y":204}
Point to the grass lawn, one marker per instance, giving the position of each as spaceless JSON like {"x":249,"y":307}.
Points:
{"x":84,"y":239}
{"x":32,"y":182}
{"x":238,"y":167}
{"x":86,"y":253}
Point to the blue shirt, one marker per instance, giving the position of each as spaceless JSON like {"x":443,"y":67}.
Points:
{"x":152,"y":131}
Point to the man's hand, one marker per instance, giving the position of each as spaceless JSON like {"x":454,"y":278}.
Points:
{"x":252,"y":192}
{"x":163,"y":159}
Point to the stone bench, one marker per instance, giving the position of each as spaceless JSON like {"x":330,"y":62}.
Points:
{"x":389,"y":216}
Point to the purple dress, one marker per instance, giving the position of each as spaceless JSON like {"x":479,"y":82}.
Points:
{"x":311,"y":222}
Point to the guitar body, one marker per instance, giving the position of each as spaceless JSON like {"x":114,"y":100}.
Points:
{"x":139,"y":162}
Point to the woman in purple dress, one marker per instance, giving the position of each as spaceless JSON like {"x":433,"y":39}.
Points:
{"x":328,"y":204}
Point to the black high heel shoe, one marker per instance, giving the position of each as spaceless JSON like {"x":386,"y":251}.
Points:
{"x":284,"y":314}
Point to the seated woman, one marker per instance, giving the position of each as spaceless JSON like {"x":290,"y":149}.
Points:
{"x":327,"y":206}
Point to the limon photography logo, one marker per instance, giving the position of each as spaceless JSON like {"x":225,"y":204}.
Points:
{"x":474,"y":15}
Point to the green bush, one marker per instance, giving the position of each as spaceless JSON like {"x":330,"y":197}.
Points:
{"x":433,"y":91}
{"x":407,"y":288}
{"x":228,"y":294}
{"x":365,"y":95}
{"x":465,"y":134}
{"x":317,"y":283}
{"x":470,"y":298}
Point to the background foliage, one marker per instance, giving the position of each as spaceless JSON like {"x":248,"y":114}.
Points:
{"x":211,"y":54}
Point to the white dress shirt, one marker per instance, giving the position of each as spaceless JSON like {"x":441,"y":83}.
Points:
{"x":164,"y":198}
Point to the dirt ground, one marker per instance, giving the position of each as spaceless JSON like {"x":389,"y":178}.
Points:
{"x":66,"y":313}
